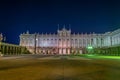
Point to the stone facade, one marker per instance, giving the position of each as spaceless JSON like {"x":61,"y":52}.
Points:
{"x":64,"y":42}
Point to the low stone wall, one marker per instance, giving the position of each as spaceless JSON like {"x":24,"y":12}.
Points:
{"x":11,"y":49}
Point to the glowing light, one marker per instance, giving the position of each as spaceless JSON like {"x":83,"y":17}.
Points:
{"x":89,"y":47}
{"x":106,"y":57}
{"x":110,"y":57}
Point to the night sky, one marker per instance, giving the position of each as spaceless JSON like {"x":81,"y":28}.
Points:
{"x":18,"y":16}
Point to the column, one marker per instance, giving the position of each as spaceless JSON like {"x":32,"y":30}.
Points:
{"x":78,"y":43}
{"x":10,"y":50}
{"x":82,"y":42}
{"x":86,"y":42}
{"x":13,"y":50}
{"x":7,"y":50}
{"x":3,"y":48}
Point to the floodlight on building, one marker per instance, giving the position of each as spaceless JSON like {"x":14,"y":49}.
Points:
{"x":89,"y":47}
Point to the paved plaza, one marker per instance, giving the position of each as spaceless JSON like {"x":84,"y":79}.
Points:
{"x":42,"y":67}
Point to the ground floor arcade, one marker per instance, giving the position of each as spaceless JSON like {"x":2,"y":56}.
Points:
{"x":11,"y":49}
{"x":55,"y":50}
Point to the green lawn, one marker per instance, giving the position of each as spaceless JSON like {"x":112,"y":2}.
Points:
{"x":59,"y":69}
{"x":100,"y":56}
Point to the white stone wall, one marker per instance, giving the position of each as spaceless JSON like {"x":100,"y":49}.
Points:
{"x":64,"y":39}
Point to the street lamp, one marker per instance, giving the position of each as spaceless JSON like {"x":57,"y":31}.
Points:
{"x":35,"y":43}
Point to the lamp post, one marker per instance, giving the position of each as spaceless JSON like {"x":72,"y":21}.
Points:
{"x":1,"y":38}
{"x":35,"y":44}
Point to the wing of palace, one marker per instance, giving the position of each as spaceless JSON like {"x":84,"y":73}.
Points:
{"x":65,"y":42}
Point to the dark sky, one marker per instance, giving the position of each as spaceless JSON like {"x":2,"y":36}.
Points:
{"x":18,"y":16}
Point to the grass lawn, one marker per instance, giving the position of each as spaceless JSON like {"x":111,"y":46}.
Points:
{"x":101,"y":56}
{"x":59,"y":69}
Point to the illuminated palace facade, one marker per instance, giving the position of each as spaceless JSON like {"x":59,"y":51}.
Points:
{"x":64,"y":42}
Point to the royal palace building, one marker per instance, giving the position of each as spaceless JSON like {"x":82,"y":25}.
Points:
{"x":64,"y":42}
